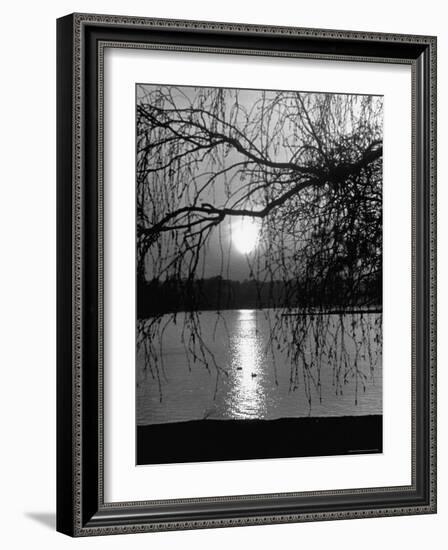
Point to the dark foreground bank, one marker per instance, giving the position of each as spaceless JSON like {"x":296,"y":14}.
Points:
{"x":209,"y":440}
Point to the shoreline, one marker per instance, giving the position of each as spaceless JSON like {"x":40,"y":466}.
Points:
{"x":212,"y":440}
{"x":336,"y":310}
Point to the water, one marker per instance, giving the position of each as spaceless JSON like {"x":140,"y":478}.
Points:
{"x":246,"y":376}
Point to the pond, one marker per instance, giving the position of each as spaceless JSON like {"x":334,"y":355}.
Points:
{"x":328,"y":365}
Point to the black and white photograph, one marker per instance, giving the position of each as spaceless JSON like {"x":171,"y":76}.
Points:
{"x":259,"y":273}
{"x":220,"y":227}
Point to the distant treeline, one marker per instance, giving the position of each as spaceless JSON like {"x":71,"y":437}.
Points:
{"x":216,"y":293}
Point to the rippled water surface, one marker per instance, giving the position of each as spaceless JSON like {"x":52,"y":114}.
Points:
{"x":257,"y":383}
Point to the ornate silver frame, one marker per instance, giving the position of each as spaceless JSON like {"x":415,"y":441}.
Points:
{"x":82,"y":39}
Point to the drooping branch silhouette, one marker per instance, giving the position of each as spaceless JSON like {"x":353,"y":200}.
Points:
{"x":307,"y":167}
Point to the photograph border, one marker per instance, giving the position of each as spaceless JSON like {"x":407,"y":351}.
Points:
{"x":81,"y":41}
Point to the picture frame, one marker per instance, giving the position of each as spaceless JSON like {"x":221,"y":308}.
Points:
{"x":82,"y":509}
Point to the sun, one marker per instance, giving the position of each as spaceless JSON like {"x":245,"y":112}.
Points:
{"x":245,"y":235}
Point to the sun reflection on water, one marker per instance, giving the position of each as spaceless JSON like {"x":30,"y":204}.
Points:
{"x":247,"y":396}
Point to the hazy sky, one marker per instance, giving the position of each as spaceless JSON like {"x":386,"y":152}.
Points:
{"x":221,"y":246}
{"x":221,"y":255}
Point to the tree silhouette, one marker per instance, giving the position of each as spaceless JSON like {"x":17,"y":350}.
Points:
{"x":307,"y":168}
